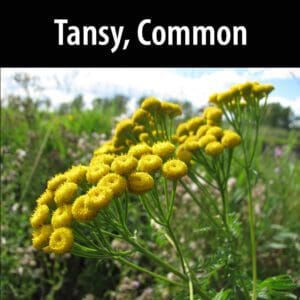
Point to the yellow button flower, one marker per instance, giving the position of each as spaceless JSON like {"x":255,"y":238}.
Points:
{"x":139,"y":150}
{"x":124,"y":164}
{"x":62,"y":216}
{"x":81,"y":211}
{"x":76,"y":174}
{"x":140,"y":116}
{"x":65,"y":193}
{"x":182,"y":129}
{"x":174,"y":169}
{"x":56,"y":181}
{"x":96,"y":172}
{"x":144,"y":137}
{"x":191,"y":143}
{"x":40,"y":236}
{"x":99,"y":197}
{"x":214,"y":148}
{"x":115,"y":182}
{"x":224,"y":97}
{"x":194,"y":123}
{"x":163,"y":149}
{"x":184,"y":155}
{"x":103,"y":158}
{"x":213,"y":113}
{"x":149,"y":163}
{"x":138,"y":129}
{"x":46,"y":198}
{"x":215,"y":131}
{"x":140,"y":182}
{"x":170,"y":109}
{"x":213,"y":98}
{"x":151,"y":104}
{"x":124,"y":127}
{"x":208,"y":138}
{"x":202,"y":130}
{"x":246,"y":89}
{"x":61,"y":240}
{"x":230,"y":139}
{"x":40,"y":215}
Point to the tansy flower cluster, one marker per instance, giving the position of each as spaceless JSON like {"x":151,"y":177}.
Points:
{"x":143,"y":148}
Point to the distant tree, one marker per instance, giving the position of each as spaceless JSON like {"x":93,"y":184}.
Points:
{"x":278,"y":116}
{"x":77,"y":103}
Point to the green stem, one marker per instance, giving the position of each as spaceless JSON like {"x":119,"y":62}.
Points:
{"x":139,"y":268}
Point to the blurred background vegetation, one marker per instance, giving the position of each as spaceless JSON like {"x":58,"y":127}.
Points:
{"x":38,"y":141}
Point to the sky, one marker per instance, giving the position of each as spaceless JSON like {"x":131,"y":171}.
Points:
{"x":193,"y":84}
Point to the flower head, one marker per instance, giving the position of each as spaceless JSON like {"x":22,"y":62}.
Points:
{"x":139,"y":150}
{"x":81,"y":211}
{"x":163,"y":149}
{"x":40,"y":215}
{"x":99,"y":197}
{"x":76,"y":174}
{"x":65,"y":193}
{"x":124,"y":164}
{"x":62,"y":216}
{"x":214,"y":148}
{"x":174,"y":169}
{"x":149,"y":163}
{"x":151,"y":104}
{"x":115,"y":182}
{"x":230,"y":139}
{"x":40,"y":236}
{"x":46,"y":198}
{"x":206,"y":139}
{"x":140,"y":182}
{"x":56,"y":181}
{"x":96,"y":171}
{"x":61,"y":240}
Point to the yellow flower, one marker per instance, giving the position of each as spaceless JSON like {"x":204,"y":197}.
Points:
{"x":140,"y":182}
{"x":115,"y":182}
{"x":151,"y":104}
{"x":215,"y":131}
{"x":224,"y":97}
{"x":213,"y":98}
{"x":234,"y":91}
{"x":40,"y":236}
{"x":149,"y":163}
{"x":62,"y":216}
{"x":138,"y":129}
{"x":191,"y":143}
{"x":46,"y":198}
{"x":170,"y":109}
{"x":81,"y":211}
{"x":182,"y":139}
{"x":213,"y":113}
{"x":40,"y":215}
{"x":194,"y":123}
{"x":144,"y":137}
{"x":65,"y":193}
{"x":230,"y":139}
{"x":163,"y":149}
{"x":140,"y":116}
{"x":103,"y":158}
{"x":246,"y":89}
{"x":76,"y":174}
{"x":214,"y":148}
{"x":202,"y":130}
{"x":124,"y":164}
{"x":56,"y":181}
{"x":262,"y":90}
{"x":96,"y":172}
{"x":208,"y":138}
{"x":184,"y":155}
{"x":182,"y":129}
{"x":99,"y":197}
{"x":139,"y":150}
{"x":61,"y":240}
{"x":174,"y":169}
{"x":124,"y":127}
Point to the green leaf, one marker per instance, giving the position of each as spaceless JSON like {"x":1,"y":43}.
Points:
{"x":222,"y":295}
